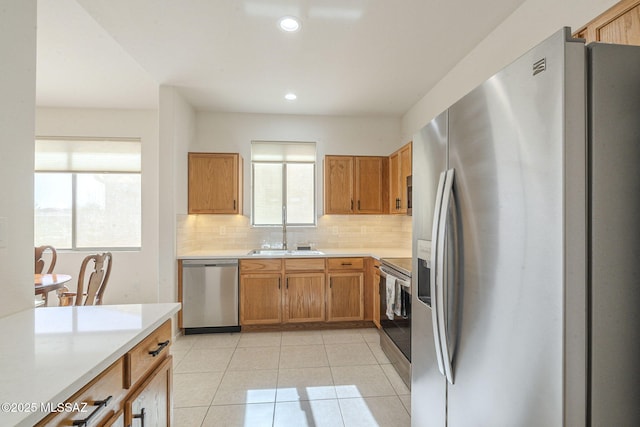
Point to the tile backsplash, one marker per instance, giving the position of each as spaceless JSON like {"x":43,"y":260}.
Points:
{"x":220,"y":232}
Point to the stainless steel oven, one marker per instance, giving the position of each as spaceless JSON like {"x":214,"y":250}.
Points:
{"x":395,"y":314}
{"x":409,"y":194}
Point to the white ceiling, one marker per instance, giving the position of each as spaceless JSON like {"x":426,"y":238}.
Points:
{"x":351,"y":57}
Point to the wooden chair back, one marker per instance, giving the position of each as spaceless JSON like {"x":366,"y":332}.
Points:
{"x":97,"y":282}
{"x":40,"y":259}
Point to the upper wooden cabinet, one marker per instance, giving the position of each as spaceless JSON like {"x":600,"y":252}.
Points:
{"x":620,"y":25}
{"x":215,"y":183}
{"x":356,"y":184}
{"x":399,"y":169}
{"x":338,"y":185}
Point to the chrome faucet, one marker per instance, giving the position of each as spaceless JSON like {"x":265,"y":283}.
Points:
{"x":284,"y":227}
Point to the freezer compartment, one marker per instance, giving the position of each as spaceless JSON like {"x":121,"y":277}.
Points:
{"x":210,"y":296}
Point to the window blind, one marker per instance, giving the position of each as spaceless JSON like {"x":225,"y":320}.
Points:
{"x":121,"y":155}
{"x":276,"y":151}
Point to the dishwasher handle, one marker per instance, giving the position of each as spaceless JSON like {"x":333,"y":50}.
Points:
{"x":209,"y":262}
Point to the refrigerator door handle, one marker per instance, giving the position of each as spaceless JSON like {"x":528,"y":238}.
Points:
{"x":444,"y":317}
{"x":436,"y":257}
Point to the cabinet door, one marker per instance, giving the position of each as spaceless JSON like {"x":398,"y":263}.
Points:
{"x":345,"y":296}
{"x":338,"y":184}
{"x":376,"y":293}
{"x":620,"y":25}
{"x":260,"y":299}
{"x":394,"y":183}
{"x":371,"y":185}
{"x":405,"y":171}
{"x":214,"y":183}
{"x":304,"y":297}
{"x":150,"y":404}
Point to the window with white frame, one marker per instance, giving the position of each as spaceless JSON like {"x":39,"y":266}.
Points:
{"x":284,"y":183}
{"x":88,"y":193}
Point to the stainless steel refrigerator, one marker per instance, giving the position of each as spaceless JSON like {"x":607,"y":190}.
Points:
{"x":526,"y":244}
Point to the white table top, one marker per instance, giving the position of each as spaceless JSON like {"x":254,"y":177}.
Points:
{"x":49,"y":353}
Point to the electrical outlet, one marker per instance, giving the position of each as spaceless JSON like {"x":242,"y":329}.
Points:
{"x":3,"y":232}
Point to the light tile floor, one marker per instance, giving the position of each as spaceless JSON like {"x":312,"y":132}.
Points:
{"x":287,"y":379}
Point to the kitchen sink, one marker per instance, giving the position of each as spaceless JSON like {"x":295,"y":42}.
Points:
{"x":283,"y":252}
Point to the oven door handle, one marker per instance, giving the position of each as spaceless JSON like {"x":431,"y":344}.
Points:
{"x":403,"y":282}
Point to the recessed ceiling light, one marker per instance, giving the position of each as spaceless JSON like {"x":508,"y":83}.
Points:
{"x":289,"y":24}
{"x":290,"y":97}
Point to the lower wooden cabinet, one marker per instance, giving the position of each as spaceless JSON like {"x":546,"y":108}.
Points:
{"x":98,"y":400}
{"x":303,"y":290}
{"x":304,"y":297}
{"x":260,"y":298}
{"x":136,"y":390}
{"x":150,"y":404}
{"x":345,"y":296}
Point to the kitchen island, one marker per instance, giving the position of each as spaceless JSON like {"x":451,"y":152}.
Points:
{"x":49,"y":354}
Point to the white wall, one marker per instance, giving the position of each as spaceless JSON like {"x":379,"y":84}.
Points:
{"x":134,"y":277}
{"x":532,"y":22}
{"x":217,"y":132}
{"x":177,"y":127}
{"x":17,"y":104}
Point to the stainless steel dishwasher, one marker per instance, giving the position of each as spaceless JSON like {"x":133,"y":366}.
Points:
{"x":210,"y":296}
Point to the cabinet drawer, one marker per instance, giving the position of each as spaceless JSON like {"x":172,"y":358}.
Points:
{"x":306,"y":264}
{"x":99,"y":400}
{"x":151,"y":351}
{"x":345,"y":263}
{"x":259,"y":265}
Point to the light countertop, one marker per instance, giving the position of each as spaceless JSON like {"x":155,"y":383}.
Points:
{"x":49,"y":353}
{"x":342,"y":252}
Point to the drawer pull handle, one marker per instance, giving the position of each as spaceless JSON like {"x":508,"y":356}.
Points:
{"x":99,"y":404}
{"x":140,"y":416}
{"x":347,"y":263}
{"x":161,"y":347}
